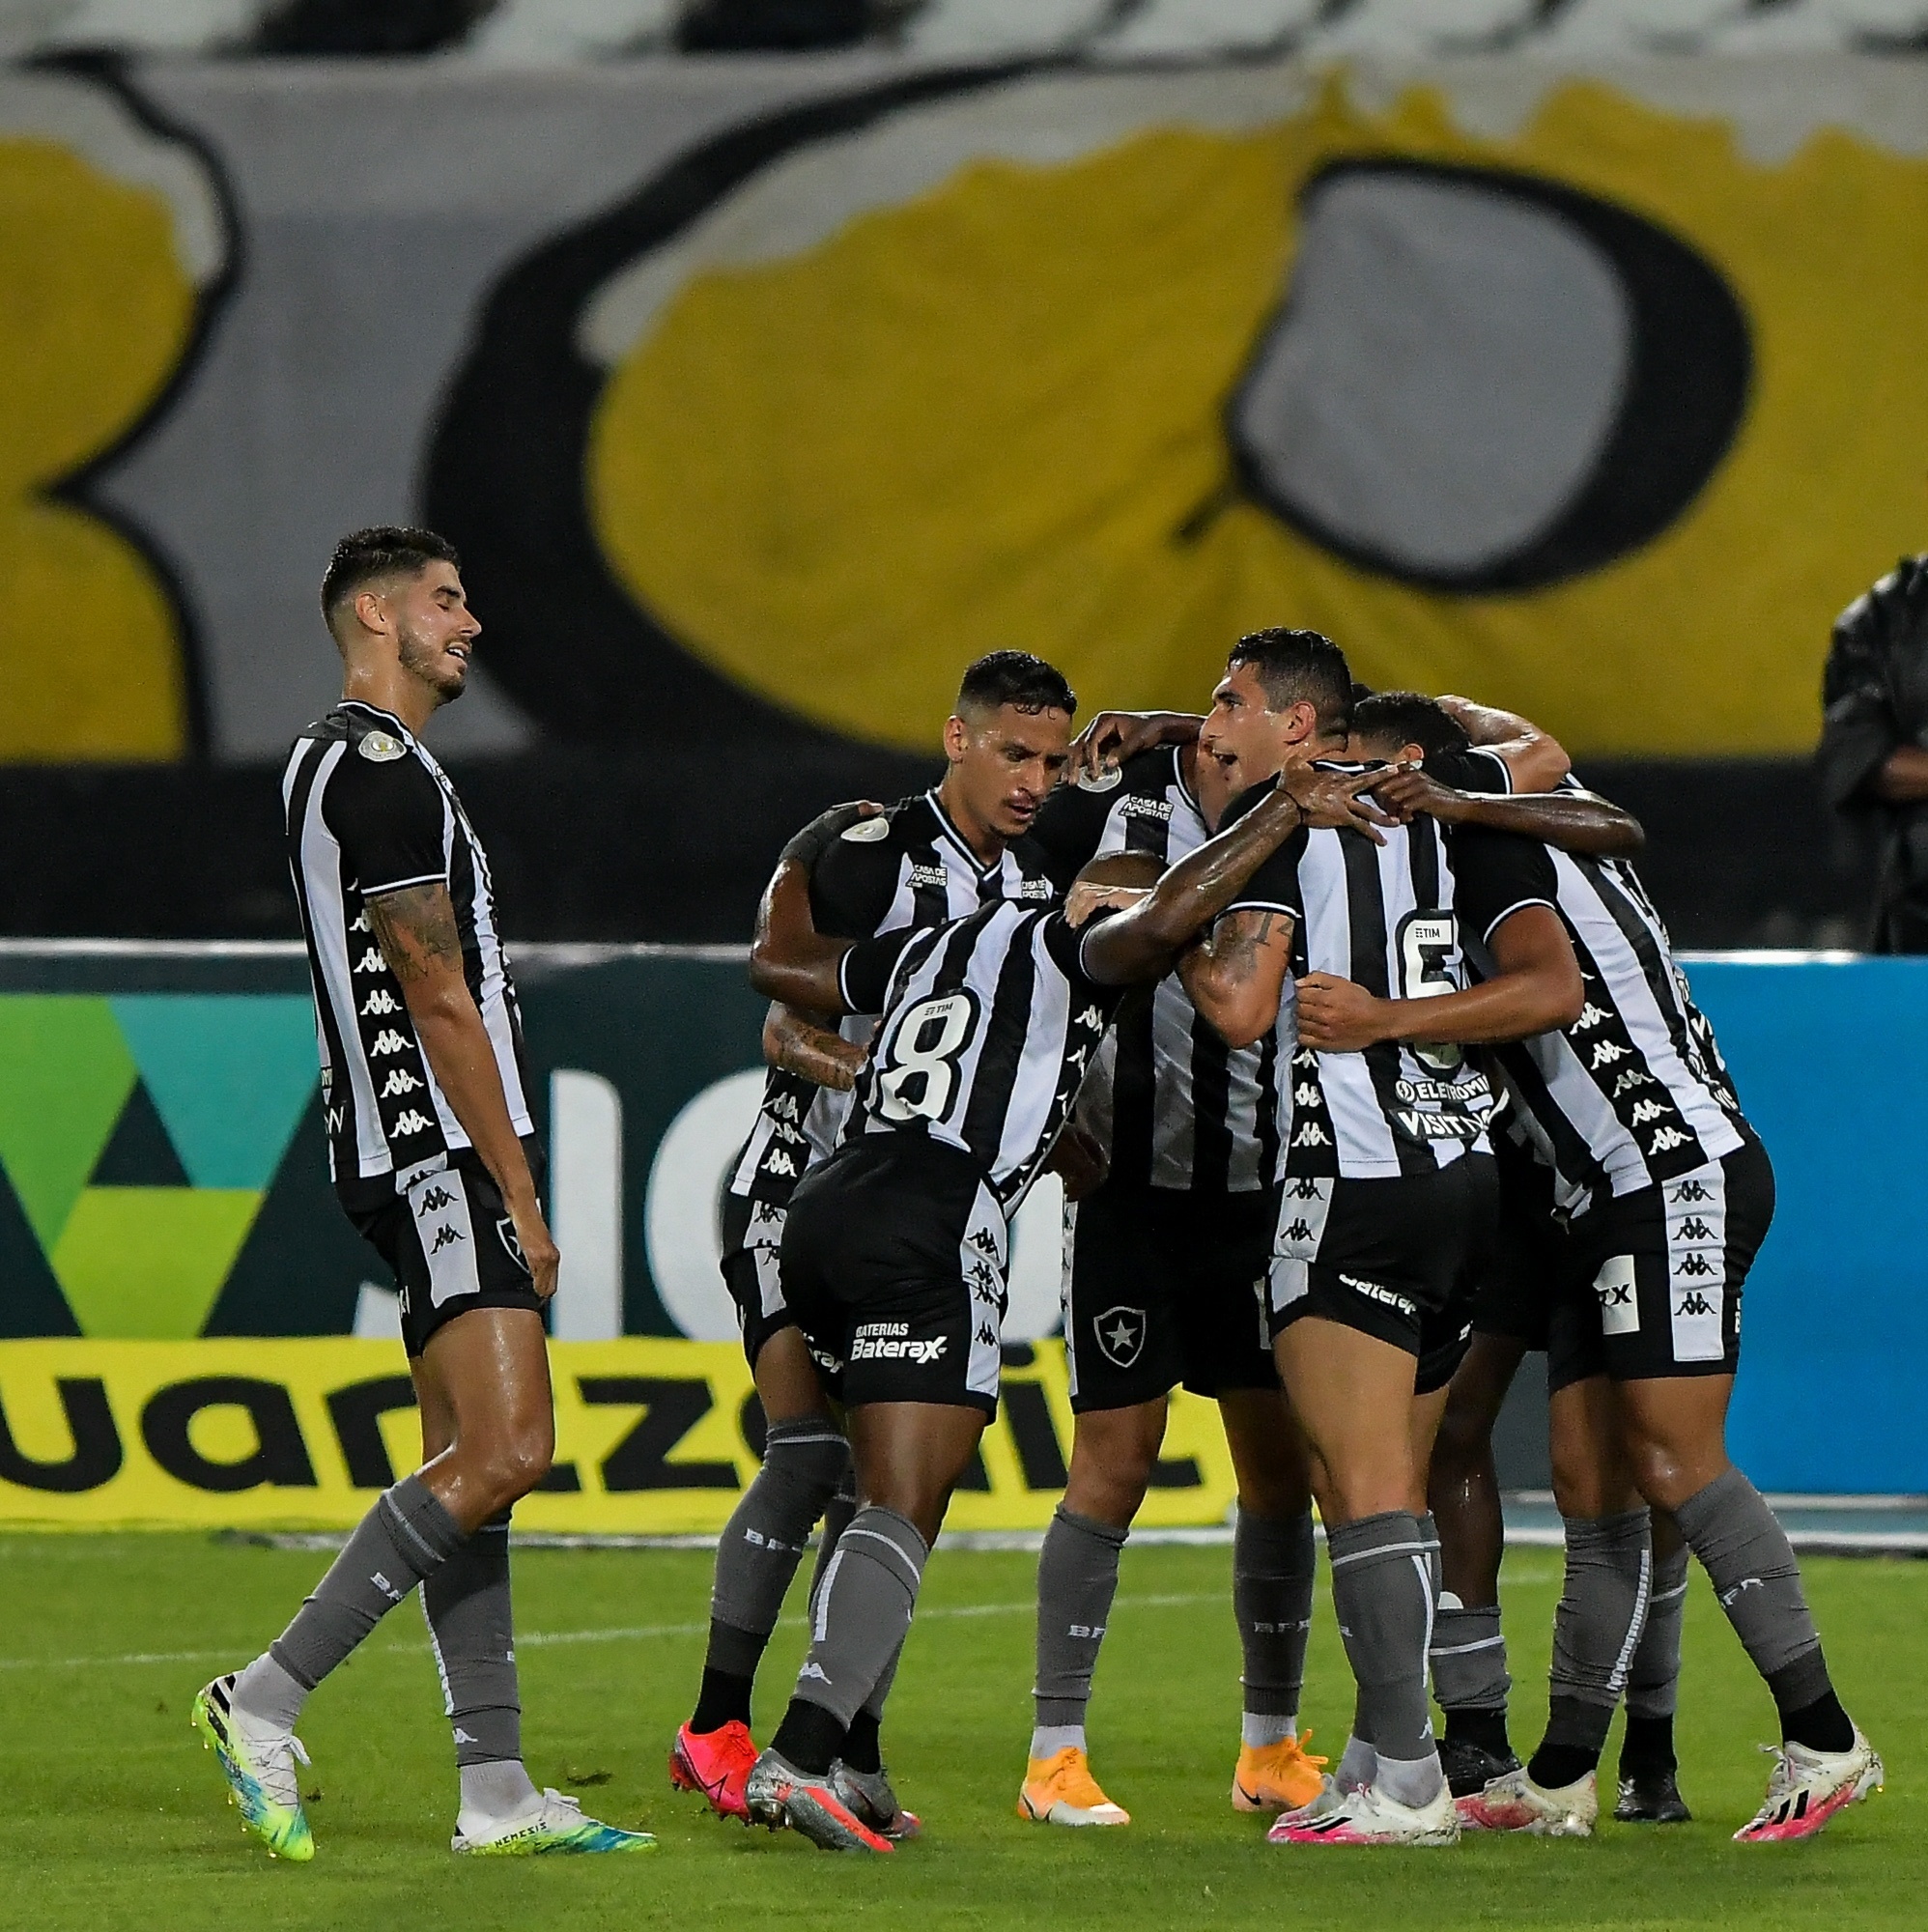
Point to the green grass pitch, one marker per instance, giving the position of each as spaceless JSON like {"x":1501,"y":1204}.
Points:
{"x":112,"y":1815}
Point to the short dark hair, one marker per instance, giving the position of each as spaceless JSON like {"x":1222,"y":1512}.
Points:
{"x":1410,"y":718}
{"x":1018,"y":679}
{"x":1300,"y":668}
{"x":364,"y":556}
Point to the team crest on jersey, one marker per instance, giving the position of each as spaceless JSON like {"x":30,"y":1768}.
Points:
{"x":1120,"y":1333}
{"x":380,"y":749}
{"x":868,"y":831}
{"x":1106,"y":781}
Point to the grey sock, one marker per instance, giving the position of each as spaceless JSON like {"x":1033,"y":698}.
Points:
{"x":1413,"y":1781}
{"x":266,"y":1692}
{"x":471,"y":1628}
{"x":1597,"y":1626}
{"x":767,"y":1533}
{"x":1429,"y":1535}
{"x":404,"y":1538}
{"x":1654,"y":1683}
{"x":1751,"y":1563}
{"x":1272,"y":1567}
{"x":880,"y":1692}
{"x":1077,"y":1577}
{"x":864,"y":1610}
{"x":836,"y":1514}
{"x":1468,"y":1658}
{"x":1383,"y":1603}
{"x":1358,"y":1765}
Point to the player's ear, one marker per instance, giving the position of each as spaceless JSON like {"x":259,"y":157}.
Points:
{"x":956,"y":738}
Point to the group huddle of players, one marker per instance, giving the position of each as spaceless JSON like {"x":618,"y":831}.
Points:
{"x":1367,"y":1068}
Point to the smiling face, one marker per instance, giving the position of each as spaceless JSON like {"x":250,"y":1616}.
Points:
{"x":1245,"y":739}
{"x":1004,"y":765}
{"x":435,"y":631}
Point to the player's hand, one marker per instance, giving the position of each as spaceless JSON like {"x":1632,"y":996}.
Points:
{"x":1407,"y":793}
{"x":1079,"y":1162}
{"x":1337,"y":798}
{"x":540,"y":1253}
{"x":808,"y":847}
{"x":1339,"y":1015}
{"x":1114,"y":736}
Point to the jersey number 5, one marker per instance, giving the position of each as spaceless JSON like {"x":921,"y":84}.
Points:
{"x":1427,"y":941}
{"x":917,"y":1068}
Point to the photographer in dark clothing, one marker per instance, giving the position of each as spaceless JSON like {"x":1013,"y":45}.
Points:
{"x":1873,"y":756}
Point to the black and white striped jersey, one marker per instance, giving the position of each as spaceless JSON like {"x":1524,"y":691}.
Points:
{"x":1634,"y":1091}
{"x":988,"y":1028}
{"x":1188,"y":1111}
{"x":1381,"y":916}
{"x":909,"y":869}
{"x":369,"y":811}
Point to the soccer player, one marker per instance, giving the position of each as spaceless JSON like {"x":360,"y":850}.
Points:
{"x":434,"y":1159}
{"x":1387,"y":1191}
{"x":1668,"y":1194}
{"x":927,"y":859}
{"x":896,"y":1249}
{"x":1161,"y":1263}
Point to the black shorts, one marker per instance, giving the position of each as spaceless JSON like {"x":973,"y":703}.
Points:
{"x":1651,"y":1283}
{"x":1391,"y":1257}
{"x":452,"y":1247}
{"x":753,"y":1270}
{"x":1516,"y":1291}
{"x":1163,"y":1287}
{"x":895,"y":1257}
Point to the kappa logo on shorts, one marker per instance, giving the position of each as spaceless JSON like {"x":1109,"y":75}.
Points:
{"x":1619,"y":1301}
{"x":1688,"y":1190}
{"x":1693,"y":1303}
{"x":433,"y":1201}
{"x":1120,"y":1333}
{"x":445,"y":1236}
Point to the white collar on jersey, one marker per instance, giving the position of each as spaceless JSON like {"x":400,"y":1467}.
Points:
{"x":947,"y":827}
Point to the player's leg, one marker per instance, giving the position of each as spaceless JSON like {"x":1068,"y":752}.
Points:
{"x":473,"y":1304}
{"x":1122,"y":1360}
{"x":806,"y":1461}
{"x":1648,"y":1782}
{"x":1687,"y":1258}
{"x":1596,"y":1627}
{"x":1468,"y":1658}
{"x":1273,"y":1571}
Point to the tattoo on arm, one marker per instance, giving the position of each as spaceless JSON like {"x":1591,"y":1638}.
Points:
{"x":1234,"y":945}
{"x":794,"y":1042}
{"x":416,"y":929}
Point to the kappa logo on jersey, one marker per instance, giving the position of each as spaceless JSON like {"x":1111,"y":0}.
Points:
{"x":1299,"y":1230}
{"x":1311,"y":1134}
{"x":986,"y":1284}
{"x":445,"y":1236}
{"x":868,"y":831}
{"x":413,"y":1122}
{"x":380,"y":749}
{"x":1306,"y":1096}
{"x":764,"y":1215}
{"x":1694,"y":1265}
{"x":359,"y":924}
{"x":380,"y":1000}
{"x":1648,"y":1109}
{"x":1101,"y":781}
{"x":433,"y":1201}
{"x":400,"y":1081}
{"x":1591,"y":1016}
{"x":779,"y":1162}
{"x":1666,"y":1139}
{"x":387,"y":1041}
{"x":1605,"y":1053}
{"x":1627,"y":1082}
{"x":371,"y":961}
{"x":1120,"y":1334}
{"x":985,"y":1241}
{"x":1694,"y":1229}
{"x":1303,"y":1189}
{"x":1685,"y":1191}
{"x":785,"y":1108}
{"x":892,"y":1342}
{"x":1387,"y":1297}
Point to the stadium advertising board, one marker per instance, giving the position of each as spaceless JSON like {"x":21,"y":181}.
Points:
{"x":197,"y":1336}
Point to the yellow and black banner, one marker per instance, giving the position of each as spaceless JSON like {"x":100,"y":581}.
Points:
{"x":653,"y":1437}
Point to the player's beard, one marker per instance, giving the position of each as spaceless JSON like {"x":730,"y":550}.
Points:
{"x":424,"y":661}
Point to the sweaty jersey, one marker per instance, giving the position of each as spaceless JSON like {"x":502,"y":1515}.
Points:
{"x":1187,"y":1111}
{"x":1634,"y":1091}
{"x":907,"y":869}
{"x":1382,"y":916}
{"x":370,"y":811}
{"x":987,"y":1029}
